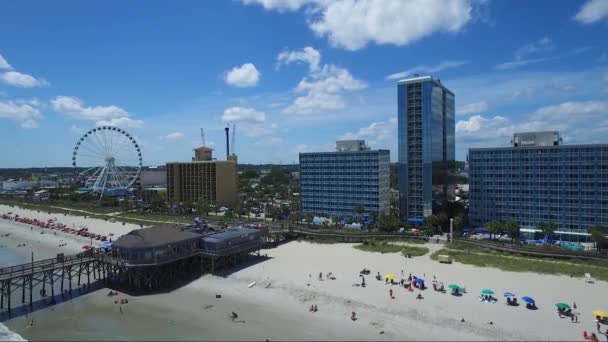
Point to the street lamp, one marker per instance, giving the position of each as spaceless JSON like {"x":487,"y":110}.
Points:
{"x":451,"y":230}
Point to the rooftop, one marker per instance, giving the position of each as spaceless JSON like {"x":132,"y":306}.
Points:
{"x":153,"y":237}
{"x":203,"y":148}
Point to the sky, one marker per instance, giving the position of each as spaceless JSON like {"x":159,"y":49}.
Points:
{"x":293,"y":75}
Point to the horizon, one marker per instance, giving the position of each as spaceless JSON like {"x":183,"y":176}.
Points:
{"x":290,"y":77}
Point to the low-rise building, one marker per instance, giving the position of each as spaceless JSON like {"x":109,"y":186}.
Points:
{"x":203,"y":179}
{"x":538,"y":179}
{"x":334,"y":183}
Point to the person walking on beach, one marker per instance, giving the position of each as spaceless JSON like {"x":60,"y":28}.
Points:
{"x":390,"y":293}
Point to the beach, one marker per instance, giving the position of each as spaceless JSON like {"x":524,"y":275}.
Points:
{"x":287,"y":284}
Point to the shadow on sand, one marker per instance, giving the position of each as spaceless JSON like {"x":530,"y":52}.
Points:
{"x":43,"y":303}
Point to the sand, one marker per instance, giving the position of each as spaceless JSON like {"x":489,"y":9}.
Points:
{"x":97,"y":226}
{"x":280,"y":311}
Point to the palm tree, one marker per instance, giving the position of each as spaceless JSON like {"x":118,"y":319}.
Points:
{"x":597,"y":235}
{"x":513,"y":228}
{"x":494,"y":227}
{"x":359,"y":209}
{"x":458,"y":223}
{"x":309,"y":217}
{"x":546,"y":227}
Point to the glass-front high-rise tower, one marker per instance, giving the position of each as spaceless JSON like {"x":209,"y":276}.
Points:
{"x":426,"y":153}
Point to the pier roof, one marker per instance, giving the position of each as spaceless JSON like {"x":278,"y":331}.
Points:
{"x":153,"y":237}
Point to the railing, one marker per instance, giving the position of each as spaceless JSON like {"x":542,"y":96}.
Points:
{"x":248,"y":246}
{"x":534,"y":251}
{"x":329,"y":233}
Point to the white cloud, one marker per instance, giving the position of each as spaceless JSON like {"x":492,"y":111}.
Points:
{"x":244,"y":76}
{"x":74,"y":108}
{"x":280,"y":5}
{"x":352,"y":24}
{"x":123,"y":122}
{"x":472,"y":108}
{"x":307,"y":54}
{"x":21,"y":80}
{"x":568,"y":111}
{"x":592,"y":12}
{"x":4,"y":64}
{"x":242,"y":114}
{"x":26,"y":114}
{"x":579,"y":122}
{"x":77,"y":130}
{"x":543,"y":45}
{"x":519,"y":63}
{"x":425,"y":69}
{"x":322,"y":86}
{"x":382,"y":134}
{"x":259,"y":130}
{"x":173,"y":136}
{"x":30,"y":124}
{"x":482,"y":126}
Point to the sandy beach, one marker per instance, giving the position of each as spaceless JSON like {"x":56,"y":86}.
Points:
{"x":279,"y":311}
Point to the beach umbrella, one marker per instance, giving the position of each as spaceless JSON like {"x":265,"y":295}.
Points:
{"x":600,"y":313}
{"x":509,"y":294}
{"x":453,"y":286}
{"x":487,"y":292}
{"x":419,"y":280}
{"x":562,"y":306}
{"x":527,"y":299}
{"x":389,"y":276}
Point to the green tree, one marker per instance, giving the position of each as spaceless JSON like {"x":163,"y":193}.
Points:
{"x":387,"y":223}
{"x":598,"y":236}
{"x":432,"y":221}
{"x":548,"y":228}
{"x":335,"y":220}
{"x":229,"y":214}
{"x":203,"y":207}
{"x":308,"y":217}
{"x":359,"y":209}
{"x":512,"y":227}
{"x":494,"y":227}
{"x":458,"y":223}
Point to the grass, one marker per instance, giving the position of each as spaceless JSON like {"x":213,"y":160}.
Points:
{"x":414,"y":251}
{"x":476,"y":257}
{"x":387,"y":247}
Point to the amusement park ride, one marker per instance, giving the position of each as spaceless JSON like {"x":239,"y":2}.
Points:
{"x":107,"y":161}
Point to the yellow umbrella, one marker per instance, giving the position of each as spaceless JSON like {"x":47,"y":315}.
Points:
{"x":600,"y":313}
{"x":389,"y":276}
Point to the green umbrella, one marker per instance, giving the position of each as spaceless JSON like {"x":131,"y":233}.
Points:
{"x":453,"y":286}
{"x":487,"y":292}
{"x":562,"y":306}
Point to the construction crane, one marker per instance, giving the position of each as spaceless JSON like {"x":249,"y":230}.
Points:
{"x":203,"y":137}
{"x":233,"y":139}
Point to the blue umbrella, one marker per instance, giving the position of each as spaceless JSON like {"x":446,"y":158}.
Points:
{"x":419,"y":280}
{"x":510,"y":294}
{"x":528,"y":299}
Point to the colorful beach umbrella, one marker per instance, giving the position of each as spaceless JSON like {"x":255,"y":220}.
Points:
{"x":487,"y":292}
{"x":453,"y":286}
{"x":509,"y":294}
{"x":528,"y":299}
{"x":562,"y":306}
{"x":389,"y":276}
{"x":600,"y":313}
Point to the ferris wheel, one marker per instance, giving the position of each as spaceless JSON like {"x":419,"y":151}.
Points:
{"x":107,"y":160}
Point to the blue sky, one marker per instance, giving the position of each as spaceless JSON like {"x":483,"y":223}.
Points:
{"x":294,"y":75}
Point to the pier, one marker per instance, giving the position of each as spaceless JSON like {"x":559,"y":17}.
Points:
{"x":148,"y":260}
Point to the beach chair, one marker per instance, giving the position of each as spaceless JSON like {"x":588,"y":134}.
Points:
{"x":586,"y":335}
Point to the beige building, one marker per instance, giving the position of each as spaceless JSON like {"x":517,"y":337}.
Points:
{"x":214,"y":181}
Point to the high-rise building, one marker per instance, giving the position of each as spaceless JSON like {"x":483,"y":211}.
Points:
{"x":426,"y":151}
{"x":214,"y":181}
{"x":334,"y":183}
{"x":538,"y":179}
